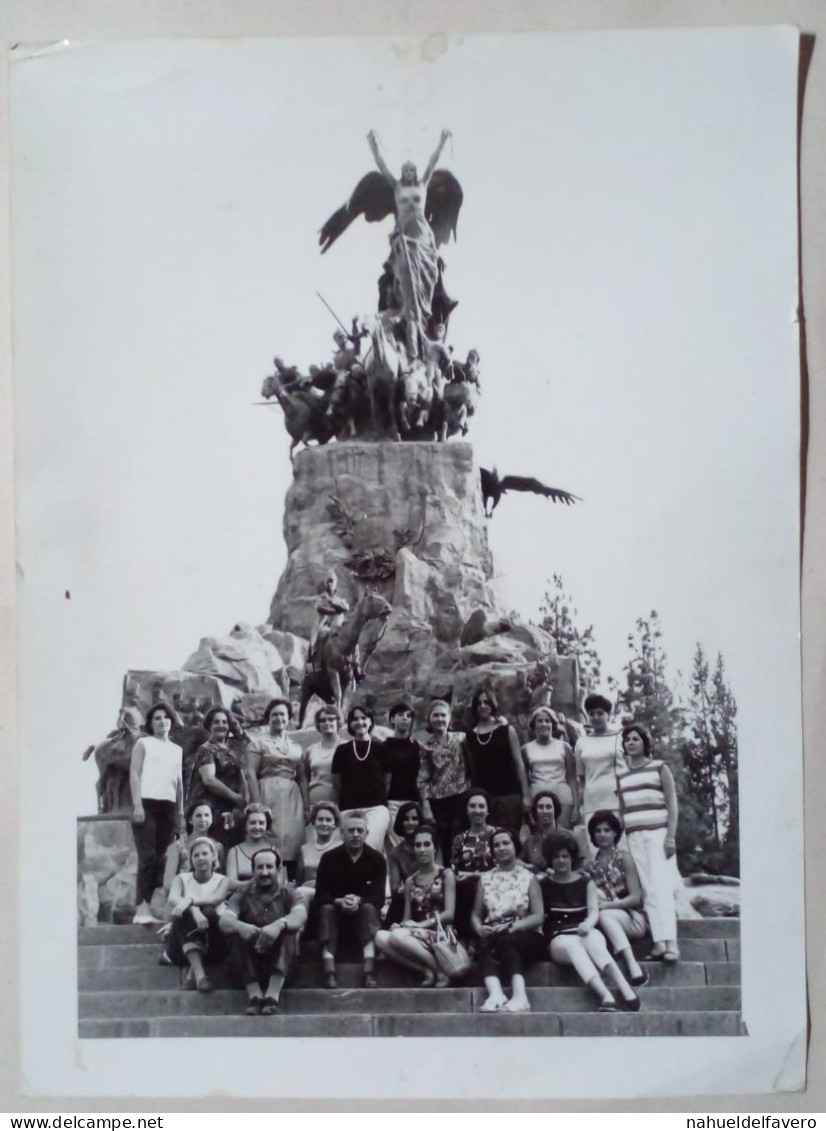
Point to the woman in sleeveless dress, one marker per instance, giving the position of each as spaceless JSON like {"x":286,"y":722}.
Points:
{"x":549,"y":764}
{"x":545,"y":810}
{"x":258,"y":834}
{"x":571,"y":924}
{"x":318,"y":757}
{"x":507,"y":917}
{"x":199,"y":820}
{"x":275,"y":769}
{"x":430,"y":890}
{"x":618,"y":888}
{"x":217,"y":776}
{"x":496,"y":762}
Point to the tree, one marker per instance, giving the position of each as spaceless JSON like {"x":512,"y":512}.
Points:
{"x":647,"y":698}
{"x":559,"y":620}
{"x":710,"y":757}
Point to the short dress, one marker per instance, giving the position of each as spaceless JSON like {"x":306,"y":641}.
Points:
{"x":425,"y":900}
{"x":599,"y":759}
{"x":228,"y":771}
{"x":546,"y":769}
{"x":318,"y":769}
{"x":279,"y":763}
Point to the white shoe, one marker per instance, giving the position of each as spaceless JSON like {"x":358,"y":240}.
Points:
{"x":143,"y":916}
{"x":517,"y":1006}
{"x":493,"y":1005}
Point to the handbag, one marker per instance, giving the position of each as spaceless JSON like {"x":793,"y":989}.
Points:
{"x":451,"y":955}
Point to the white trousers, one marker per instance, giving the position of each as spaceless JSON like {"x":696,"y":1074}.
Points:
{"x":658,"y":880}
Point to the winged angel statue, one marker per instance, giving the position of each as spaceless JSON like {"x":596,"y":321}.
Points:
{"x":426,"y":211}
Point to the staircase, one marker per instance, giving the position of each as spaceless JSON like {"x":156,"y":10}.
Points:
{"x":123,"y":992}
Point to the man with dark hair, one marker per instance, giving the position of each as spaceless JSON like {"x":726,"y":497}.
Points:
{"x":350,"y":889}
{"x":263,"y":923}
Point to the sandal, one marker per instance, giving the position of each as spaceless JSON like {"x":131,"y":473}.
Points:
{"x":269,"y":1006}
{"x":655,"y":956}
{"x":607,"y":1007}
{"x":671,"y":956}
{"x":254,"y":1007}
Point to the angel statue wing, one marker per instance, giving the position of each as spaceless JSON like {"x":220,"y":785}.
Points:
{"x":444,"y":199}
{"x":522,"y":483}
{"x":372,"y":198}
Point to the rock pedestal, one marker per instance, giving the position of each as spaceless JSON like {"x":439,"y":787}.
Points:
{"x":407,"y":519}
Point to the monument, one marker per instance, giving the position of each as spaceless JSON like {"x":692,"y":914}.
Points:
{"x":389,"y":586}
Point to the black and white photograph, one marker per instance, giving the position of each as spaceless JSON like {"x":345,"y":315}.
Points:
{"x":407,"y":469}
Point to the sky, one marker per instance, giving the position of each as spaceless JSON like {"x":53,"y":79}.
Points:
{"x":613,"y":259}
{"x":626,"y":266}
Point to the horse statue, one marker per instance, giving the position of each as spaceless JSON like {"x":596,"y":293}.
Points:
{"x":113,"y":757}
{"x":332,"y":674}
{"x":305,"y":414}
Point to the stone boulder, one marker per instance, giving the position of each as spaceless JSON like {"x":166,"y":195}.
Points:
{"x":88,"y":900}
{"x":292,"y":650}
{"x":117,"y":897}
{"x":107,"y":864}
{"x":715,"y":900}
{"x":191,"y":693}
{"x":244,"y":660}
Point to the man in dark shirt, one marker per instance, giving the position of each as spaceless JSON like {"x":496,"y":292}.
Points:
{"x":262,"y":923}
{"x":350,"y":889}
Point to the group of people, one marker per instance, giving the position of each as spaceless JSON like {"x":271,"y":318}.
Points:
{"x":396,"y":841}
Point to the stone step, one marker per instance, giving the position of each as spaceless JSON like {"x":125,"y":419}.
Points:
{"x":556,"y":999}
{"x":147,"y":975}
{"x":108,"y":933}
{"x":696,"y":1024}
{"x":119,"y":948}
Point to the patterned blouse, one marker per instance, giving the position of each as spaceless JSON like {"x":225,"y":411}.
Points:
{"x":609,"y":875}
{"x":443,"y":766}
{"x":425,"y":898}
{"x":470,"y":852}
{"x":227,"y":770}
{"x":506,"y":894}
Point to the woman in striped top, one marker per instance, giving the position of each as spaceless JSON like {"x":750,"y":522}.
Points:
{"x":648,"y":804}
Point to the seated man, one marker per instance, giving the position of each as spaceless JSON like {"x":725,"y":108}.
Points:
{"x":350,"y":889}
{"x":262,"y":924}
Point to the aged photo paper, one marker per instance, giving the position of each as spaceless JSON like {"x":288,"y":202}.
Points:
{"x":626,"y":265}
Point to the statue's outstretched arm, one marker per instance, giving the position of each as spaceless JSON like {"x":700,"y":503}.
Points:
{"x":373,"y":142}
{"x":431,"y":165}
